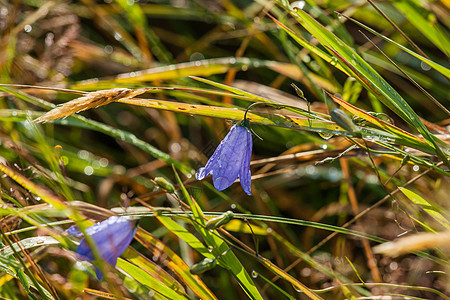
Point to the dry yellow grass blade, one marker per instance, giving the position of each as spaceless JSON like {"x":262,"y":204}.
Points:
{"x":88,"y":101}
{"x":416,"y":242}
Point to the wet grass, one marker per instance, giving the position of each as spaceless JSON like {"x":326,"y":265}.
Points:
{"x":111,"y":107}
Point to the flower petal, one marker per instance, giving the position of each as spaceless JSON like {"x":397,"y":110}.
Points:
{"x":111,"y":237}
{"x":245,"y":175}
{"x":203,"y":172}
{"x":230,"y":160}
{"x":222,"y":183}
{"x":226,"y":168}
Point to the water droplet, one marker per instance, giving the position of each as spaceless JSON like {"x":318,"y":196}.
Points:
{"x":233,"y":206}
{"x":416,"y":168}
{"x":96,"y":164}
{"x":305,"y":272}
{"x":175,"y":147}
{"x":4,"y":11}
{"x":311,"y":170}
{"x":393,"y":265}
{"x":297,"y":289}
{"x":254,"y":274}
{"x":210,"y":249}
{"x":196,"y":56}
{"x":425,"y":66}
{"x":117,"y":36}
{"x":298,"y":4}
{"x":103,"y":162}
{"x":49,"y":39}
{"x":14,"y":113}
{"x":27,"y":28}
{"x":325,"y":135}
{"x":108,"y":49}
{"x":83,"y":154}
{"x":88,"y":170}
{"x":324,"y":146}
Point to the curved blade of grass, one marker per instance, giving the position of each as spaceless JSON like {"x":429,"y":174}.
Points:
{"x":441,"y":69}
{"x":28,"y":243}
{"x":10,"y":274}
{"x":254,"y":97}
{"x":183,"y":234}
{"x":305,"y":44}
{"x":227,"y":260}
{"x":368,"y":77}
{"x":277,"y":120}
{"x":427,"y":206}
{"x":153,"y":269}
{"x":382,"y":124}
{"x":428,"y":25}
{"x":143,"y":277}
{"x":176,"y":264}
{"x":204,"y":67}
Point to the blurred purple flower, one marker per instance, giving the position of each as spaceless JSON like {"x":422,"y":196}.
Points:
{"x":111,"y":236}
{"x":231,"y":160}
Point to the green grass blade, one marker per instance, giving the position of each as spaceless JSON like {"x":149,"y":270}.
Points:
{"x":427,"y":25}
{"x":427,"y":206}
{"x":183,"y":234}
{"x":153,"y":269}
{"x":441,"y":69}
{"x":176,"y":265}
{"x":369,"y":78}
{"x":228,"y":260}
{"x":146,"y":279}
{"x":205,"y":67}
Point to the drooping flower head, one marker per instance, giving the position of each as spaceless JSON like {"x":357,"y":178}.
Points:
{"x":111,"y":237}
{"x":231,"y":160}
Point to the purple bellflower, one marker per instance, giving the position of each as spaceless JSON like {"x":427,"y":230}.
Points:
{"x":111,"y":236}
{"x":231,"y":160}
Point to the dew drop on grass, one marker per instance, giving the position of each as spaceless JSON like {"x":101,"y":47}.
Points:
{"x":233,"y":206}
{"x":103,"y":162}
{"x":88,"y":170}
{"x":210,"y":249}
{"x":83,"y":154}
{"x":416,"y":168}
{"x":425,"y":66}
{"x":298,"y":290}
{"x":298,"y":4}
{"x":254,"y":274}
{"x":325,"y":135}
{"x":108,"y":49}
